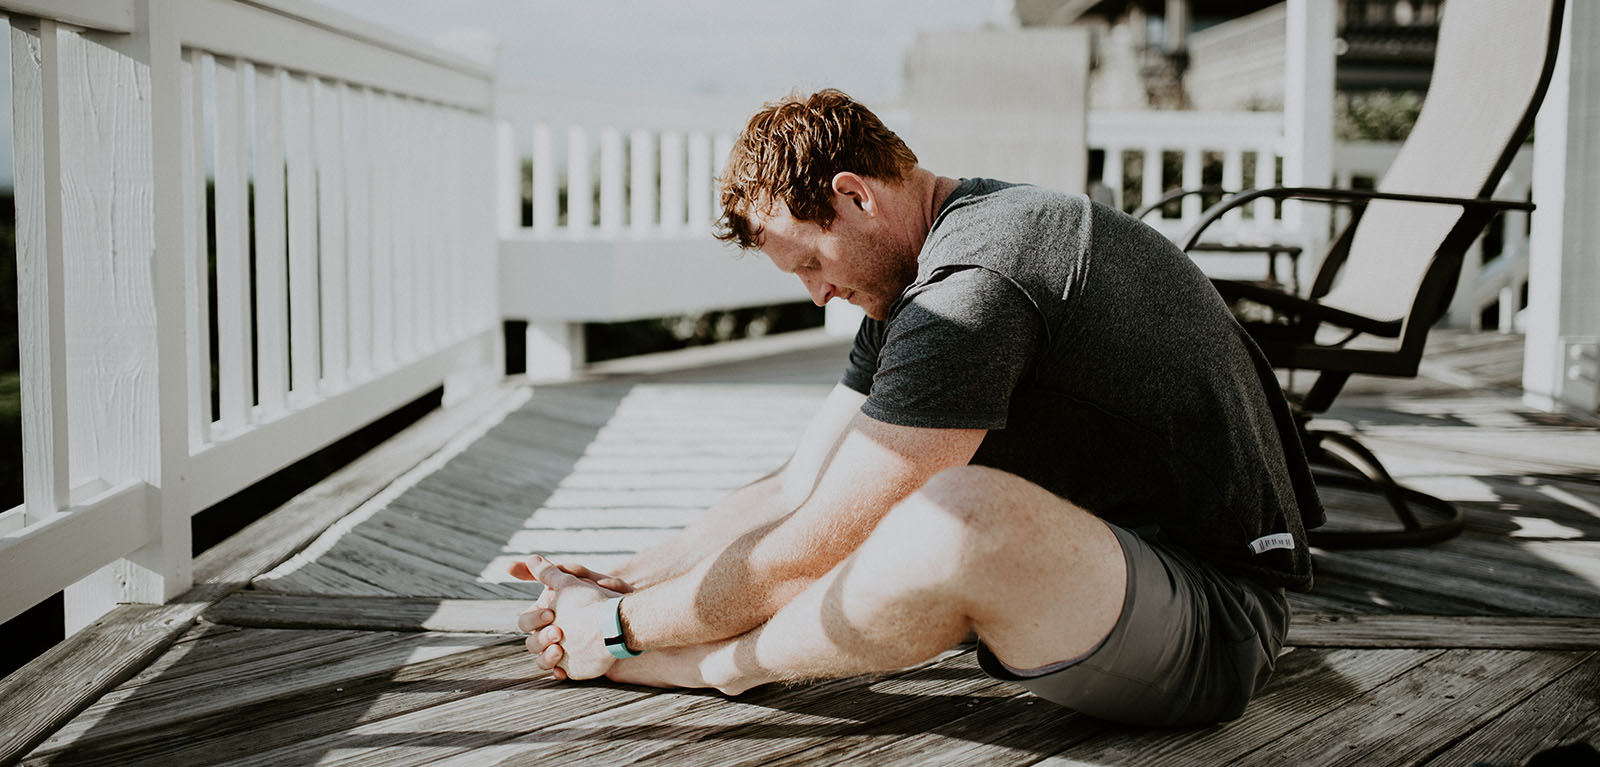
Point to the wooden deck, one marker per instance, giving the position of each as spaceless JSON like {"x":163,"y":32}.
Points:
{"x":385,"y":641}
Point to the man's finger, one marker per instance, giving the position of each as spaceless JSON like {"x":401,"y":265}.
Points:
{"x":520,"y":571}
{"x":577,"y":569}
{"x":615,"y":584}
{"x":534,"y":618}
{"x":549,"y":573}
{"x":551,"y":657}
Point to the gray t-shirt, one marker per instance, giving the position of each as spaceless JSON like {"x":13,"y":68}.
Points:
{"x":1106,"y":369}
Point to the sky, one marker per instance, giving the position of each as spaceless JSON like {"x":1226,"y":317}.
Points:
{"x":743,"y":50}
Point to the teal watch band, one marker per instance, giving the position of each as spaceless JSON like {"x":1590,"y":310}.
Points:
{"x":615,"y":644}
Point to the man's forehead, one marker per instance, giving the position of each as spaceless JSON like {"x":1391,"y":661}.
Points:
{"x":772,"y":219}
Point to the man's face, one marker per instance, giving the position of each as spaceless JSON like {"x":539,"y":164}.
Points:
{"x":853,"y":259}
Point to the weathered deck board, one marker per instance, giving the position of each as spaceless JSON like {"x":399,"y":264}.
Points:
{"x":1483,"y":647}
{"x":261,"y":675}
{"x":38,"y":699}
{"x":1547,"y":718}
{"x":1420,"y":712}
{"x":245,"y":730}
{"x":273,"y":610}
{"x":1306,"y":685}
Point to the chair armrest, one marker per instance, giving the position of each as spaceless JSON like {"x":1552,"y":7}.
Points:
{"x":1178,"y":194}
{"x":1306,"y":308}
{"x":1338,"y":197}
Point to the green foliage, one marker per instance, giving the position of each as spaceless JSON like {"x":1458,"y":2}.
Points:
{"x":10,"y":439}
{"x":10,"y":381}
{"x":1376,"y":115}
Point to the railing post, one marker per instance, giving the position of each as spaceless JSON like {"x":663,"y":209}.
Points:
{"x":136,"y":290}
{"x":1308,"y":119}
{"x":1561,"y":366}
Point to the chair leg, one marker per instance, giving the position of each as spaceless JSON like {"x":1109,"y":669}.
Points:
{"x":1343,"y":451}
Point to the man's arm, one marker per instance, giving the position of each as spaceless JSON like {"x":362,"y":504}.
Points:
{"x":874,"y":466}
{"x":754,"y":505}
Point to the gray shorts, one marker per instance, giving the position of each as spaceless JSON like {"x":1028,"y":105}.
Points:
{"x":1192,"y":645}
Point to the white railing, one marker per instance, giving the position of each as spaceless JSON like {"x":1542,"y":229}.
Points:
{"x":1247,"y":147}
{"x":619,"y":227}
{"x":353,"y":268}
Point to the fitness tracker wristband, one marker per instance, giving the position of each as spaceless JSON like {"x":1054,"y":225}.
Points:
{"x":615,"y":644}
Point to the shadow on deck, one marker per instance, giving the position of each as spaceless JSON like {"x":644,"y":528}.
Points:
{"x":387,"y":640}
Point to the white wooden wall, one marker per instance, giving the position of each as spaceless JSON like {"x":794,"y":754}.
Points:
{"x":1561,"y":367}
{"x":363,"y":162}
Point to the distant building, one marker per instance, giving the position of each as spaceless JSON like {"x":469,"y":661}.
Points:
{"x":1228,"y":54}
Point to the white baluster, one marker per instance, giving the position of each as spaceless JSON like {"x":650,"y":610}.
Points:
{"x":272,"y":294}
{"x":721,"y":148}
{"x":380,"y":137}
{"x":197,"y":288}
{"x":304,"y":347}
{"x":1111,"y":174}
{"x":700,"y":203}
{"x":642,"y":181}
{"x":580,"y":184}
{"x":1266,"y":178}
{"x":1232,"y":181}
{"x":330,"y":229}
{"x":544,"y":182}
{"x":1151,"y":185}
{"x":358,"y":229}
{"x":611,"y":181}
{"x":672,"y":181}
{"x":1192,"y":156}
{"x":233,"y":249}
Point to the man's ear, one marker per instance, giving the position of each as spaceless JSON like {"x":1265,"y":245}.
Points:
{"x":855,"y":191}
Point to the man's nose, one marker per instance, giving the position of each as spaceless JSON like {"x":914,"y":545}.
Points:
{"x":820,"y":291}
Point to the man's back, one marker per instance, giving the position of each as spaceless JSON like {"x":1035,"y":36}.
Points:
{"x":1106,"y":369}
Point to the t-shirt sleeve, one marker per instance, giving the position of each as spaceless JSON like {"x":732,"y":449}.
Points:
{"x":863,"y":362}
{"x":953,"y":353}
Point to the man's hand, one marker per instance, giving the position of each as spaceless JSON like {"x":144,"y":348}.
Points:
{"x":523,"y":571}
{"x":569,"y":618}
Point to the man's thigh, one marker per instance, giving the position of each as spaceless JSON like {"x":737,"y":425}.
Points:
{"x":1190,"y":645}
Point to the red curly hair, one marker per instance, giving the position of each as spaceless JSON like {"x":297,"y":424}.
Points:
{"x":789,"y":153}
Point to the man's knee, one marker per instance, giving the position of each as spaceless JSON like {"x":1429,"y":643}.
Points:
{"x":999,"y":502}
{"x":979,"y":512}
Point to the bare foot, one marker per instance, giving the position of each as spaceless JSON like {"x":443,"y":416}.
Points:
{"x":674,"y":667}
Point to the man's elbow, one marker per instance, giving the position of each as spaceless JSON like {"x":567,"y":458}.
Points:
{"x":781,"y":572}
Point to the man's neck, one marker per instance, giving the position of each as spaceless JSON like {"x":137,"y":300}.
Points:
{"x":932,"y":190}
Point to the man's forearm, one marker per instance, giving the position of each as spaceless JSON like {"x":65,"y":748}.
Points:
{"x":746,"y":508}
{"x":726,"y":593}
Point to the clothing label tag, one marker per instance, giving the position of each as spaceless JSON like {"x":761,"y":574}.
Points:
{"x":1267,"y":543}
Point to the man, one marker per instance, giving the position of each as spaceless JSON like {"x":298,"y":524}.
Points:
{"x":1050,"y":433}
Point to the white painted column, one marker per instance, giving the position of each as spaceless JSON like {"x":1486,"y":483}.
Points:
{"x":1308,"y":120}
{"x":1561,"y":366}
{"x":555,"y":349}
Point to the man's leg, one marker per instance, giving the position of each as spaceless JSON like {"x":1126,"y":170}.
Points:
{"x":1040,"y":580}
